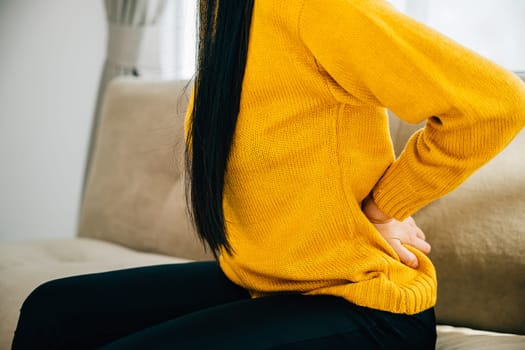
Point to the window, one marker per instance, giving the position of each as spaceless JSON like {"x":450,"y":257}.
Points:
{"x":494,"y":29}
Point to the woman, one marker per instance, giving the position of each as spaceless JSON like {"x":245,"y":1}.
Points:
{"x":296,"y":190}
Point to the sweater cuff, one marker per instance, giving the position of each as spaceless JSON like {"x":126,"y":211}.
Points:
{"x":394,"y":195}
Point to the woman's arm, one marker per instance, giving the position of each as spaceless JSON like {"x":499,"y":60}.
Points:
{"x":473,"y":108}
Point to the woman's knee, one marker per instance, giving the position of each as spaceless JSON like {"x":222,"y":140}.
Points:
{"x":36,"y":324}
{"x":44,"y":297}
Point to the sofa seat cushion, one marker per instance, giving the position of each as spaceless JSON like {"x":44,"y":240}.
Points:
{"x":458,"y":338}
{"x":25,"y":265}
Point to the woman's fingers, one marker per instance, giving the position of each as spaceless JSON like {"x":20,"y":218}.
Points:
{"x":397,"y":233}
{"x":420,"y":234}
{"x":418,"y":241}
{"x":405,"y":255}
{"x":421,"y":245}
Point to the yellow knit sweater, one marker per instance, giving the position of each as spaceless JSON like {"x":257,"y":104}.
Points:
{"x":312,"y":141}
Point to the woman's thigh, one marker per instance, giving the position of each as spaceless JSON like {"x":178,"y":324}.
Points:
{"x":287,"y":322}
{"x":85,"y":311}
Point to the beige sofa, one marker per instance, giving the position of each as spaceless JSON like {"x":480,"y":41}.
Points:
{"x":133,"y":214}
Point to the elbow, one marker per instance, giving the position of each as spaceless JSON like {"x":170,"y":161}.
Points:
{"x":515,"y":113}
{"x":513,"y":101}
{"x":506,"y":112}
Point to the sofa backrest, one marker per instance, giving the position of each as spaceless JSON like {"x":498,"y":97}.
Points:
{"x":134,"y":196}
{"x":135,"y":188}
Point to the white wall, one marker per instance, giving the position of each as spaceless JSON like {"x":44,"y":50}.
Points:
{"x":51,"y":56}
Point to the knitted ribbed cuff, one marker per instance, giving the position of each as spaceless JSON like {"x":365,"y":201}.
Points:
{"x":394,"y":195}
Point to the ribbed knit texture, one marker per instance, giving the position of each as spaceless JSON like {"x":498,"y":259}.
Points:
{"x":312,"y":141}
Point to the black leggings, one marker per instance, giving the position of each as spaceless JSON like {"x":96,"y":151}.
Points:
{"x":194,"y":306}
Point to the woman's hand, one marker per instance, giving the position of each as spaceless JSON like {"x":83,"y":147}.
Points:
{"x":397,"y":233}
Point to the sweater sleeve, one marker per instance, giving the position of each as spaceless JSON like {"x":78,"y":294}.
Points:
{"x":473,"y":107}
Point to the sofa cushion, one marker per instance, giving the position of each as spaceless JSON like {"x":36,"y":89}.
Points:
{"x":135,"y":190}
{"x":477,"y":233}
{"x":459,"y":338}
{"x":25,"y":265}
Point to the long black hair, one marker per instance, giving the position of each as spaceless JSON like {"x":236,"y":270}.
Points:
{"x":223,"y":29}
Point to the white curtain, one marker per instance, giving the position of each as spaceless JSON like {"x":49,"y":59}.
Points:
{"x":133,"y":46}
{"x":180,"y":39}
